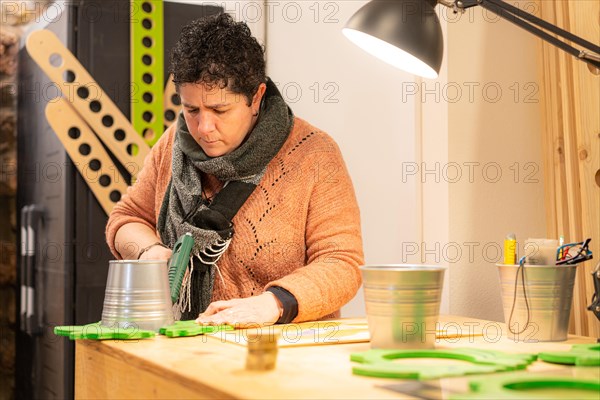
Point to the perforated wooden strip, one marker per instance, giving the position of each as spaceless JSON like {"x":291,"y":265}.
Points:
{"x":172,"y":103}
{"x":88,"y":99}
{"x":87,"y":153}
{"x":147,"y":68}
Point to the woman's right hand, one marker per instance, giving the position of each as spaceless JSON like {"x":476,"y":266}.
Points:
{"x":157,"y":253}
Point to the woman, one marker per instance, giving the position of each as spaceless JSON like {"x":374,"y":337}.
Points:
{"x":265,"y":195}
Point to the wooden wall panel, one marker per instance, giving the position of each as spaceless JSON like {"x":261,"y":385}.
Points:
{"x":571,"y":117}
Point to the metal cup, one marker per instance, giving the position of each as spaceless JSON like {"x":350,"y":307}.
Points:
{"x":549,"y":290}
{"x":403,"y":304}
{"x":137,"y":295}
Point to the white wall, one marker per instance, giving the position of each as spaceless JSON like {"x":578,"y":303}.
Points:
{"x":497,"y":128}
{"x":479,"y":118}
{"x":433,"y":155}
{"x":359,"y":106}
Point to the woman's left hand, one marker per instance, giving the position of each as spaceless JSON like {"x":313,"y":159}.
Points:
{"x":261,"y":310}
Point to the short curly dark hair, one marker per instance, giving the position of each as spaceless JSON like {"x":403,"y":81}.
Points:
{"x":216,"y":50}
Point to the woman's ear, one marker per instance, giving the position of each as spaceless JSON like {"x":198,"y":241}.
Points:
{"x":260,"y":92}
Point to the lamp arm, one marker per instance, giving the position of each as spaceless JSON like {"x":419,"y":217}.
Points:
{"x":532,"y":24}
{"x":544,"y":24}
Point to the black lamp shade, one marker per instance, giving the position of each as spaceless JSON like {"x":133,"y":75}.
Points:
{"x":404,"y":33}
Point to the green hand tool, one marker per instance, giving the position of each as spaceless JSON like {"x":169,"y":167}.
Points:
{"x":178,"y":264}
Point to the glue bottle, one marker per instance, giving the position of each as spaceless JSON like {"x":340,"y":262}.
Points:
{"x":510,"y":249}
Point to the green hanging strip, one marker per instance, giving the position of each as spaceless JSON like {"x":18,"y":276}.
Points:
{"x":147,"y":68}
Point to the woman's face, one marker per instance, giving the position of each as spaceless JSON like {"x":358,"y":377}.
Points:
{"x":218,"y":119}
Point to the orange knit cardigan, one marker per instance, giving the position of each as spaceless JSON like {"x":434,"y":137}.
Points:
{"x":299,"y":229}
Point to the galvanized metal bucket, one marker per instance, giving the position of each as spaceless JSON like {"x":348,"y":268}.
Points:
{"x":137,"y":295}
{"x":402,"y":303}
{"x":549,"y":291}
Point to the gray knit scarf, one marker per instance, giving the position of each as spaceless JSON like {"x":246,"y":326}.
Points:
{"x":183,"y":209}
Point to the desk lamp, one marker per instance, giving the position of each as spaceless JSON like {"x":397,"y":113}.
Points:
{"x":407,"y":33}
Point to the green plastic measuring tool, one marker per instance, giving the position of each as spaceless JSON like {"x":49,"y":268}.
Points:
{"x":532,"y":386}
{"x":581,"y":355}
{"x":96,"y":331}
{"x":147,"y":69}
{"x":379,"y":363}
{"x":178,"y":264}
{"x":191,"y":328}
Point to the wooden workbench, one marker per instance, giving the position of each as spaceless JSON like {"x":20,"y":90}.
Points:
{"x":208,"y":367}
